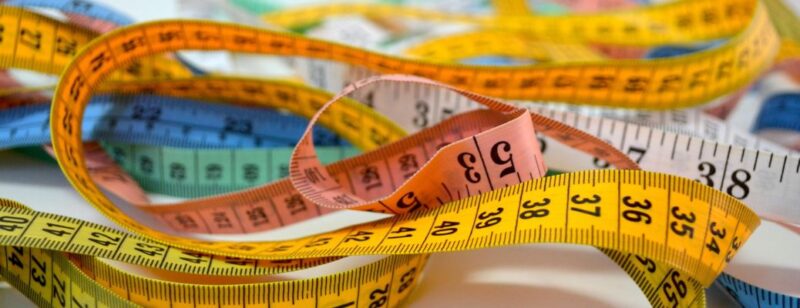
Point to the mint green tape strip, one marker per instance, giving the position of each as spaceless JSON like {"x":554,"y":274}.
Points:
{"x":193,"y":173}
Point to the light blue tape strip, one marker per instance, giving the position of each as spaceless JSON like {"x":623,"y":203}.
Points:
{"x":165,"y":121}
{"x":669,"y":51}
{"x":780,"y":111}
{"x":752,"y":296}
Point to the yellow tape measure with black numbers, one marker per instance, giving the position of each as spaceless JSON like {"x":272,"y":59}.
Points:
{"x":35,"y":42}
{"x":663,"y":83}
{"x":612,"y":210}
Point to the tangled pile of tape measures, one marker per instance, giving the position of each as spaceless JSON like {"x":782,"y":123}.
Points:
{"x":473,"y":174}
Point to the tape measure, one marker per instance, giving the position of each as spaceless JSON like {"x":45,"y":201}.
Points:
{"x":59,"y":151}
{"x":455,"y":212}
{"x":184,"y":176}
{"x":158,"y":120}
{"x":56,"y":111}
{"x":676,"y":22}
{"x":152,"y":47}
{"x":200,"y":172}
{"x":678,"y":281}
{"x":193,"y":173}
{"x":567,"y":84}
{"x":536,"y":83}
{"x":172,"y":171}
{"x":41,"y":44}
{"x":457,"y":47}
{"x":781,"y":111}
{"x":653,"y":149}
{"x":93,"y":16}
{"x":753,"y":296}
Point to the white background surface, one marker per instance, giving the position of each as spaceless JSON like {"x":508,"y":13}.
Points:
{"x":531,"y":275}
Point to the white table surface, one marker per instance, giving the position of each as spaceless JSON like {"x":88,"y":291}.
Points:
{"x":531,"y":275}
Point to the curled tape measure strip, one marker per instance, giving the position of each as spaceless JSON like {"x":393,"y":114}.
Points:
{"x":742,"y":227}
{"x":194,"y":173}
{"x":188,"y":215}
{"x":35,"y":42}
{"x":750,"y":296}
{"x":157,"y":120}
{"x":653,"y":25}
{"x":90,"y":15}
{"x":450,"y":216}
{"x":170,"y":171}
{"x":52,"y":278}
{"x":222,"y":248}
{"x":736,"y":66}
{"x":99,"y":64}
{"x":652,"y":84}
{"x":620,"y":84}
{"x":449,"y":144}
{"x":750,"y":175}
{"x":632,"y":129}
{"x":59,"y":151}
{"x":354,"y":122}
{"x":457,"y":47}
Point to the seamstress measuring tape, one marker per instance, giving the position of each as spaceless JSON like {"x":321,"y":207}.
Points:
{"x":751,"y":158}
{"x":627,"y":137}
{"x":676,"y":22}
{"x":35,"y":42}
{"x":298,"y":96}
{"x":243,"y":172}
{"x":172,"y":171}
{"x":562,"y":85}
{"x":167,"y":121}
{"x":90,"y":15}
{"x":673,"y":275}
{"x":58,"y":138}
{"x":651,"y":84}
{"x":457,"y":47}
{"x":449,"y":221}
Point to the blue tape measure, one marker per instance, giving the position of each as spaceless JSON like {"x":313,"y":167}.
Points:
{"x":668,"y":51}
{"x":165,"y":121}
{"x":780,"y":111}
{"x":749,"y":295}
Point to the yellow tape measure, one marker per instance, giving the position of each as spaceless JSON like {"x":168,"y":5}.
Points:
{"x":453,"y":48}
{"x":677,"y":22}
{"x":699,"y":232}
{"x":36,"y":42}
{"x":664,"y":83}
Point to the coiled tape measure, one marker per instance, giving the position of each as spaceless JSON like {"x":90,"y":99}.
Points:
{"x":622,"y":212}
